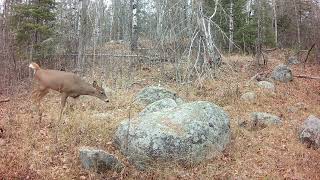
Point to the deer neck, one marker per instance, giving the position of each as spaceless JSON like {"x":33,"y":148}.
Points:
{"x":87,"y":89}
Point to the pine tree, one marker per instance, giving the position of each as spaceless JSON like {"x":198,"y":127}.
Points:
{"x":34,"y":27}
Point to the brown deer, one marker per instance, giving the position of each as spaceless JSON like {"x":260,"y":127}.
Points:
{"x":68,"y":84}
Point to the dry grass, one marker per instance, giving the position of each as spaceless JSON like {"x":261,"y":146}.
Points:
{"x":28,"y":150}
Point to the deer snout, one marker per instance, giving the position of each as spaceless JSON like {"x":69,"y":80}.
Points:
{"x":107,"y":100}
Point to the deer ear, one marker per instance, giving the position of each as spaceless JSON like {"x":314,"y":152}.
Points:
{"x":94,"y":84}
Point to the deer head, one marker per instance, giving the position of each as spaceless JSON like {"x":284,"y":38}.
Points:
{"x":100,"y":93}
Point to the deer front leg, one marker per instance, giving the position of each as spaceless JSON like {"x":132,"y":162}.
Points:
{"x":41,"y":95}
{"x":64,"y":97}
{"x":37,"y":96}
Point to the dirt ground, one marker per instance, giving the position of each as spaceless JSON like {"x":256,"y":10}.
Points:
{"x":28,"y":150}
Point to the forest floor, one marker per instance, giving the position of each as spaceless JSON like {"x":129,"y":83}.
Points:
{"x":28,"y":149}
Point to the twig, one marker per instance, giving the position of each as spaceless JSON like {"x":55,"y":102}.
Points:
{"x":307,"y":77}
{"x":4,"y":100}
{"x":269,"y":50}
{"x":305,"y":61}
{"x":110,"y":55}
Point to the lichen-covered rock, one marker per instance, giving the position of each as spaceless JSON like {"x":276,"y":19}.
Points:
{"x":99,"y":160}
{"x":262,"y":119}
{"x":165,"y":103}
{"x":310,"y":132}
{"x":249,"y":97}
{"x":188,"y":134}
{"x":152,"y":94}
{"x":282,"y":73}
{"x":266,"y":85}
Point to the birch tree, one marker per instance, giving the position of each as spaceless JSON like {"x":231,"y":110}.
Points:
{"x":231,"y":27}
{"x":134,"y":36}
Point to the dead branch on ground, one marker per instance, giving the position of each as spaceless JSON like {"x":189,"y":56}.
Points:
{"x":307,"y":77}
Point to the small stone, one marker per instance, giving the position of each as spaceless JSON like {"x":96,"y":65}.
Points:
{"x":99,"y":160}
{"x":242,"y":123}
{"x":297,"y":107}
{"x":282,"y":73}
{"x":262,"y":119}
{"x":249,"y":97}
{"x":266,"y":85}
{"x":293,"y":60}
{"x":310,"y":132}
{"x":2,"y":142}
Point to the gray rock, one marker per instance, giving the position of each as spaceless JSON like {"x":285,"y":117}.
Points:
{"x":98,"y":160}
{"x":293,"y":60}
{"x":159,"y":105}
{"x":152,"y":94}
{"x":266,"y":85}
{"x":187,"y":134}
{"x":262,"y":119}
{"x":310,"y":132}
{"x":282,"y":73}
{"x":249,"y":97}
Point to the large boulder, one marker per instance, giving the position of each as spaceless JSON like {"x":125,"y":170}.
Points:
{"x":310,"y":132}
{"x":152,"y":94}
{"x":187,"y":134}
{"x":99,"y":160}
{"x":262,"y":119}
{"x":282,"y":73}
{"x":162,"y":104}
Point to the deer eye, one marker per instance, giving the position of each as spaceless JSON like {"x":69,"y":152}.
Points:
{"x":102,"y":93}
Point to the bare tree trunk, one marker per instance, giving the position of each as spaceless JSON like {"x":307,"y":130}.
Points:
{"x":298,"y":23}
{"x":160,"y":13}
{"x":134,"y":36}
{"x":205,"y":27}
{"x":259,"y":54}
{"x":115,"y":20}
{"x":95,"y":36}
{"x":189,"y":14}
{"x":275,"y":21}
{"x":231,"y":27}
{"x":82,"y":34}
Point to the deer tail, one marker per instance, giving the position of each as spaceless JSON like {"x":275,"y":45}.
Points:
{"x":34,"y":66}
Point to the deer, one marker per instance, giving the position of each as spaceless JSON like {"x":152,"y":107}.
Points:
{"x":66,"y":83}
